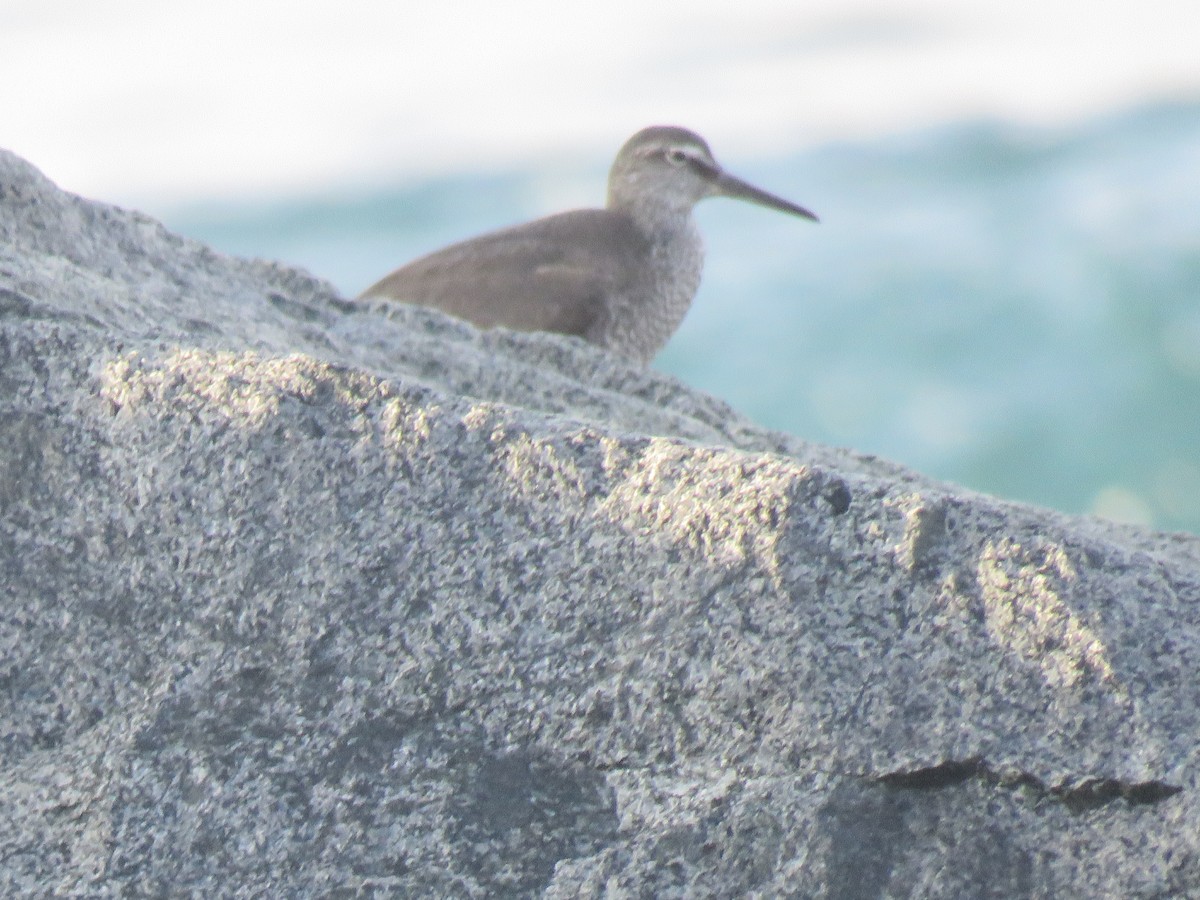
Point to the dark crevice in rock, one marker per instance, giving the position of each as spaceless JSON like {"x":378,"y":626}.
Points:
{"x":1097,"y":792}
{"x":944,"y":774}
{"x":837,"y":495}
{"x":1078,"y":796}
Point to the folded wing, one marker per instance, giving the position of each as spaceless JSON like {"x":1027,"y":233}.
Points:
{"x":553,"y":274}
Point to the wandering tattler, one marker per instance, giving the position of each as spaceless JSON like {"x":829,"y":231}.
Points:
{"x":621,"y":277}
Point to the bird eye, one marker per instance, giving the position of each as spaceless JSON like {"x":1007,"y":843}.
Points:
{"x":676,"y":157}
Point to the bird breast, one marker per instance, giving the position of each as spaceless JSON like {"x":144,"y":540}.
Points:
{"x":641,"y":318}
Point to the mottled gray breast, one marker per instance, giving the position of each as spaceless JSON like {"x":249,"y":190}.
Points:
{"x":638,"y":321}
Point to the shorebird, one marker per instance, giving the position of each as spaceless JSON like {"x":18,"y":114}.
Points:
{"x":621,"y":277}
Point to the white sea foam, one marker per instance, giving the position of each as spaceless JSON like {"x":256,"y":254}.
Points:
{"x":150,"y":103}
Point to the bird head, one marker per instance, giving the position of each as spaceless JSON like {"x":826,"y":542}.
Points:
{"x":670,"y":168}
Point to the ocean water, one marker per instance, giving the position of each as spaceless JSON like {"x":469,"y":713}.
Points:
{"x":1013,"y":309}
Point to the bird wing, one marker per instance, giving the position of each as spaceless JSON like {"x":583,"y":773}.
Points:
{"x":552,"y":274}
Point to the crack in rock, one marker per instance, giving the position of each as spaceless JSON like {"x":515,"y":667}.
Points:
{"x":1077,"y":795}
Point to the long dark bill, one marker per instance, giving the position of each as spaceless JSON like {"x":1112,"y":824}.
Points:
{"x":731,"y":186}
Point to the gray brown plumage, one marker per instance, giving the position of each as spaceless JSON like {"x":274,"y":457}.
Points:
{"x":622,"y":277}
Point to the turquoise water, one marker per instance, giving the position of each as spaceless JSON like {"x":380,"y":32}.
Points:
{"x":1015,"y":310}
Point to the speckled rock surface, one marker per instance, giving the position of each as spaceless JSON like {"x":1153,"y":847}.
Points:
{"x":307,"y":599}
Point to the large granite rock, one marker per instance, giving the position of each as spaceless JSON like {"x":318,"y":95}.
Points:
{"x":306,"y":599}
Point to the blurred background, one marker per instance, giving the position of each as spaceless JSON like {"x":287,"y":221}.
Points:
{"x":1004,"y":291}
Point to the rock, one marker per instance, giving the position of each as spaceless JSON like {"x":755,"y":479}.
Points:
{"x":304,"y":598}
